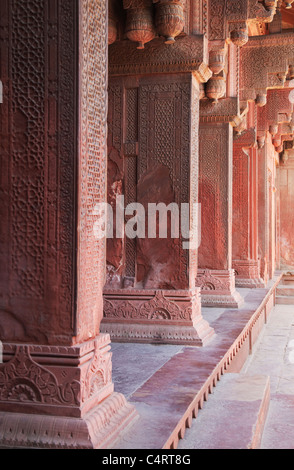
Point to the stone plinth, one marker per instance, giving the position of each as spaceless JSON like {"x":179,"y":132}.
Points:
{"x":155,"y":316}
{"x":247,"y":273}
{"x":218,"y":288}
{"x":60,"y":397}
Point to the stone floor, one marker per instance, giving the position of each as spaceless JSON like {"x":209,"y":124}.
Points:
{"x":274,"y":356}
{"x":164,"y":382}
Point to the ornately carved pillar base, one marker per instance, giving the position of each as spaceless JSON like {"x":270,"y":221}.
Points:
{"x":247,"y":274}
{"x":155,"y":316}
{"x":61,"y":397}
{"x":218,"y":288}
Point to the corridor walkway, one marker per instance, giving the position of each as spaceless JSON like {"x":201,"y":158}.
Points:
{"x":273,"y":356}
{"x":172,"y":385}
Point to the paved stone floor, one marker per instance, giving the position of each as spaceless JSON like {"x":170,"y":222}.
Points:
{"x":274,"y":356}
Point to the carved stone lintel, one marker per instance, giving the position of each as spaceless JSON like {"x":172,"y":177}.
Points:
{"x":188,"y":54}
{"x":169,"y":317}
{"x":225,"y":110}
{"x":218,"y":288}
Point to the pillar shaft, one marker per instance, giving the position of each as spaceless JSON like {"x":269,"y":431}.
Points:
{"x":150,"y":294}
{"x":245,"y":258}
{"x":56,"y":388}
{"x":215,"y":274}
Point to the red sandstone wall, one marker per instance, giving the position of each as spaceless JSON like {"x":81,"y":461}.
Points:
{"x":286,"y":194}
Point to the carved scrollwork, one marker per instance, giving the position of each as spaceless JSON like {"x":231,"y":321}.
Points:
{"x":23,"y":380}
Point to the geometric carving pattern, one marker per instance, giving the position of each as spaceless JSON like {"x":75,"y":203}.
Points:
{"x":92,"y":165}
{"x":38,"y":124}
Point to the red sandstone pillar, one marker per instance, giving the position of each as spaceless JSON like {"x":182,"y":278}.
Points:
{"x":263,"y":212}
{"x":286,"y":184}
{"x":216,"y":277}
{"x":150,"y":295}
{"x":245,"y":258}
{"x":56,"y":388}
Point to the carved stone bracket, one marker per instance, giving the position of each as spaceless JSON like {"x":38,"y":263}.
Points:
{"x":246,"y":139}
{"x":226,"y":110}
{"x":229,"y":19}
{"x":264,"y":64}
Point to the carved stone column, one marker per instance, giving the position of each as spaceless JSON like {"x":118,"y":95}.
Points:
{"x":245,"y":258}
{"x":263,"y":211}
{"x":216,"y":276}
{"x":56,"y":389}
{"x":150,"y":294}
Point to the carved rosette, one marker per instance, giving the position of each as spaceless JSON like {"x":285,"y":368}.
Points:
{"x":169,"y":19}
{"x":23,"y":380}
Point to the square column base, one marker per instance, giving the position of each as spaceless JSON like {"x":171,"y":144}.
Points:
{"x":60,"y":397}
{"x":155,"y":316}
{"x":218,"y":288}
{"x":98,"y":429}
{"x":247,"y":274}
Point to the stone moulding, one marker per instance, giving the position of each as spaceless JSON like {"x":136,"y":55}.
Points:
{"x":167,"y":317}
{"x":218,"y":288}
{"x":188,"y":54}
{"x":61,"y":396}
{"x":99,"y":429}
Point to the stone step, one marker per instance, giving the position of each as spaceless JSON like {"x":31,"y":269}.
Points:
{"x":284,"y":300}
{"x":285,"y":290}
{"x":233,"y":417}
